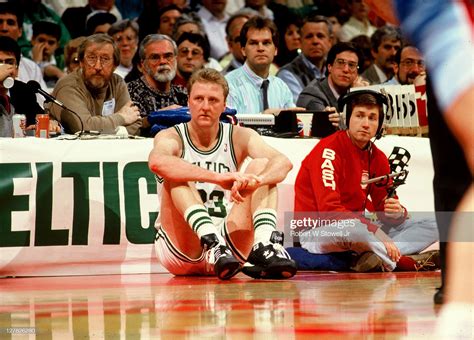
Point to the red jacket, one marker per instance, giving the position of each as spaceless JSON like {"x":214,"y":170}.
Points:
{"x":330,"y":177}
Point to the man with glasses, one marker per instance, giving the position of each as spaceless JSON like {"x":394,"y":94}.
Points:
{"x":342,"y":74}
{"x":411,"y":64}
{"x":193,"y":54}
{"x":153,"y":90}
{"x":98,"y":96}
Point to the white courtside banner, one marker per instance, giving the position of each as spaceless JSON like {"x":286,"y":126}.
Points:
{"x":88,"y":207}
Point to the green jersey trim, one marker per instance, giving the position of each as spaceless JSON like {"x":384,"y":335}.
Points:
{"x":190,"y":142}
{"x":231,"y":143}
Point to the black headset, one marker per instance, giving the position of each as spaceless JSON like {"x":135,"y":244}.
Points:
{"x":343,"y":102}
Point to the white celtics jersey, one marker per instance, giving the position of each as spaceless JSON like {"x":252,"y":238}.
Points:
{"x":220,"y":159}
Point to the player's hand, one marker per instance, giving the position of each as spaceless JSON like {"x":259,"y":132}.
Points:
{"x":393,"y":209}
{"x":334,"y":116}
{"x":244,"y":186}
{"x":130,"y":113}
{"x":392,"y":250}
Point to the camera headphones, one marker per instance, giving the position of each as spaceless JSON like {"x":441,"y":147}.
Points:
{"x":344,"y":104}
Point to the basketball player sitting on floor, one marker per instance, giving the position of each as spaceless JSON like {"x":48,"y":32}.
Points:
{"x":213,"y":217}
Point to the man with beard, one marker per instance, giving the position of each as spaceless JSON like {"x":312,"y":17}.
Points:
{"x":153,"y":90}
{"x":411,"y":64}
{"x":385,"y":41}
{"x":97,"y":95}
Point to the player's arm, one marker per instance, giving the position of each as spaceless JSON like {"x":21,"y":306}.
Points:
{"x":252,"y":144}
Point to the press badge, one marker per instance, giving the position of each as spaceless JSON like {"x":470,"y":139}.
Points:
{"x":108,"y":107}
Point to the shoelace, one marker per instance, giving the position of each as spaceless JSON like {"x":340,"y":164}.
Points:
{"x":425,"y":263}
{"x":280,"y":250}
{"x":210,"y":260}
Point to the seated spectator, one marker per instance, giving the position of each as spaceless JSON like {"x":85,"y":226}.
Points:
{"x":329,"y":185}
{"x":19,"y":98}
{"x":214,"y":19}
{"x":192,"y":23}
{"x":385,"y":42}
{"x":71,"y":54}
{"x":358,"y":23}
{"x":411,"y":64}
{"x":125,"y":35}
{"x":45,"y":42}
{"x":167,"y":17}
{"x":232,"y":30}
{"x":11,"y":22}
{"x":75,"y":18}
{"x":260,"y":6}
{"x":362,"y":43}
{"x":98,"y":95}
{"x":251,"y":88}
{"x":193,"y":54}
{"x":316,"y":40}
{"x":322,"y":95}
{"x":99,"y":22}
{"x":154,"y":91}
{"x":289,"y":46}
{"x":332,"y":12}
{"x":33,"y":11}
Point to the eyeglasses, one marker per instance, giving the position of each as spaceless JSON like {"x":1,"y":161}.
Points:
{"x":155,"y":58}
{"x":340,"y":63}
{"x":9,"y":61}
{"x":91,"y":60}
{"x":412,"y":62}
{"x":183,"y":52}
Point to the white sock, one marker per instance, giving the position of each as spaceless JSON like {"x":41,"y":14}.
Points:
{"x":199,"y":220}
{"x":264,"y":223}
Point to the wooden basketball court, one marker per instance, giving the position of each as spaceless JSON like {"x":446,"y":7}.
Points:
{"x":310,"y":305}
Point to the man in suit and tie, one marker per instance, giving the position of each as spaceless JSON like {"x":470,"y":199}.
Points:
{"x":251,"y":87}
{"x":342,"y":73}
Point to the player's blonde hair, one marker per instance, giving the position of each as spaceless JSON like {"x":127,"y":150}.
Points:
{"x":209,"y":75}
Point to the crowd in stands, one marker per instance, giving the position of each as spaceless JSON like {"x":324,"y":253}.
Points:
{"x":293,"y":59}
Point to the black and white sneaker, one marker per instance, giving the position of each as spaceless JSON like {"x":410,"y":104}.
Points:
{"x":219,"y":257}
{"x":270,"y":261}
